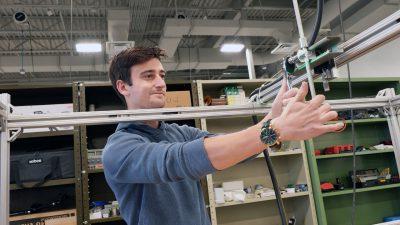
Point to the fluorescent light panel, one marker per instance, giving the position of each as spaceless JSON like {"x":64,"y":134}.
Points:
{"x":88,"y":47}
{"x":232,"y":47}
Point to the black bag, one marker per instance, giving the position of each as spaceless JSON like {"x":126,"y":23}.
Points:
{"x":42,"y":166}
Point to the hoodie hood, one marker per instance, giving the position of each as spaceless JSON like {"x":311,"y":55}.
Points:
{"x":141,"y":126}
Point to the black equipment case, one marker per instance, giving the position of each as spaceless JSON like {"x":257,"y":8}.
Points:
{"x":41,"y":166}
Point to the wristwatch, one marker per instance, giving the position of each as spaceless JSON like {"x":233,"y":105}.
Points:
{"x":270,"y":136}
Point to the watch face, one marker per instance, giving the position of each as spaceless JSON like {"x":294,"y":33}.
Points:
{"x":268,"y":135}
{"x":271,"y":137}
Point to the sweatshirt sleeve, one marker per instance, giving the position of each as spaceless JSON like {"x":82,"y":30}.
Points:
{"x":129,"y":158}
{"x":194,"y":133}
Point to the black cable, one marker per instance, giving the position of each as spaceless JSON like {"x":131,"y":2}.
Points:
{"x":275,"y":184}
{"x":317,"y":24}
{"x":30,"y":43}
{"x":277,"y":191}
{"x":22,"y":70}
{"x":353,"y":207}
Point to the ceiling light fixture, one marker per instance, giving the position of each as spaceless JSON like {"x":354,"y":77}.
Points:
{"x":88,"y":47}
{"x":232,"y":47}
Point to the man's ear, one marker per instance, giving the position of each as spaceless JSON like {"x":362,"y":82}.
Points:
{"x":123,"y":88}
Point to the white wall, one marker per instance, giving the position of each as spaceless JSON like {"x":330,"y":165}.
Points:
{"x":381,"y":62}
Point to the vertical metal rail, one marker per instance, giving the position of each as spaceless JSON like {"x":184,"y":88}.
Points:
{"x":396,"y":121}
{"x":394,"y":127}
{"x":315,"y":182}
{"x":4,"y":163}
{"x":391,"y":112}
{"x":304,"y":48}
{"x":77,"y":157}
{"x":84,"y":156}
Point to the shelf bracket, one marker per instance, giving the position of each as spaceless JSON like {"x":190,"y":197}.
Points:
{"x":15,"y":133}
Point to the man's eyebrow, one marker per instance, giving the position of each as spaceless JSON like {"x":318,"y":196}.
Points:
{"x":147,"y":71}
{"x":151,"y":71}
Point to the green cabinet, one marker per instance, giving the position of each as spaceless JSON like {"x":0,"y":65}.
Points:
{"x":372,"y":203}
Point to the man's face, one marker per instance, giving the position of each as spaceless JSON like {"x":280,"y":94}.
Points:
{"x":148,"y":86}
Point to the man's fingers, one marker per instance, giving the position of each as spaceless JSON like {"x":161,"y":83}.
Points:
{"x":329,"y":116}
{"x":279,"y":98}
{"x":324,"y":108}
{"x":316,"y":102}
{"x":291,"y":93}
{"x":330,"y":128}
{"x":302,"y":93}
{"x":282,"y":90}
{"x":285,"y":102}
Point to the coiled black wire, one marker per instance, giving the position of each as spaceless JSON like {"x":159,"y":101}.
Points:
{"x":317,"y":23}
{"x":271,"y":170}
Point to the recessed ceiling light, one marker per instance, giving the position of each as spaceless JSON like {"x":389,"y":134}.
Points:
{"x":88,"y":47}
{"x":22,"y":71}
{"x":232,"y":47}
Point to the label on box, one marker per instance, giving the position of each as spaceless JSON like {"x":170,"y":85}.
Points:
{"x":177,"y":99}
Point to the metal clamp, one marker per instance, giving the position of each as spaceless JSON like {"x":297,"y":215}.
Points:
{"x":15,"y":134}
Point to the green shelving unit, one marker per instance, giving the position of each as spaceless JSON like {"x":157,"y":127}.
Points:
{"x":359,"y":190}
{"x":366,"y":152}
{"x":372,"y":203}
{"x":371,"y":120}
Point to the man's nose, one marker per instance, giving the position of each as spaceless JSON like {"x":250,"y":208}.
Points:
{"x":160,"y":82}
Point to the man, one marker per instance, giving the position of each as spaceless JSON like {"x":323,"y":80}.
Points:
{"x":154,"y":168}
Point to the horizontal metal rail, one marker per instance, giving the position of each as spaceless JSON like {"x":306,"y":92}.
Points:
{"x":368,"y":45}
{"x":373,"y":30}
{"x":116,"y":116}
{"x":368,"y":40}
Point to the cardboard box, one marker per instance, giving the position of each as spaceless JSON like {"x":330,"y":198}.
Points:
{"x":62,"y":217}
{"x":30,"y":110}
{"x":178,"y":99}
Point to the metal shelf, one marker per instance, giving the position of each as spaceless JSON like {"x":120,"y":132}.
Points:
{"x":105,"y":220}
{"x":252,"y":200}
{"x":366,"y":152}
{"x":95,"y":171}
{"x":349,"y":190}
{"x":282,"y":153}
{"x":358,"y":121}
{"x":47,"y":184}
{"x":47,"y":134}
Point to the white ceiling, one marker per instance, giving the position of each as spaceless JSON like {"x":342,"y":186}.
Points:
{"x":192,"y":43}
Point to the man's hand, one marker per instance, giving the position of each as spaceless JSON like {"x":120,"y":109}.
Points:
{"x":302,"y":120}
{"x":282,"y":99}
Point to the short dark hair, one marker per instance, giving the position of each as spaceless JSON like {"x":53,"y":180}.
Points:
{"x":120,"y":66}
